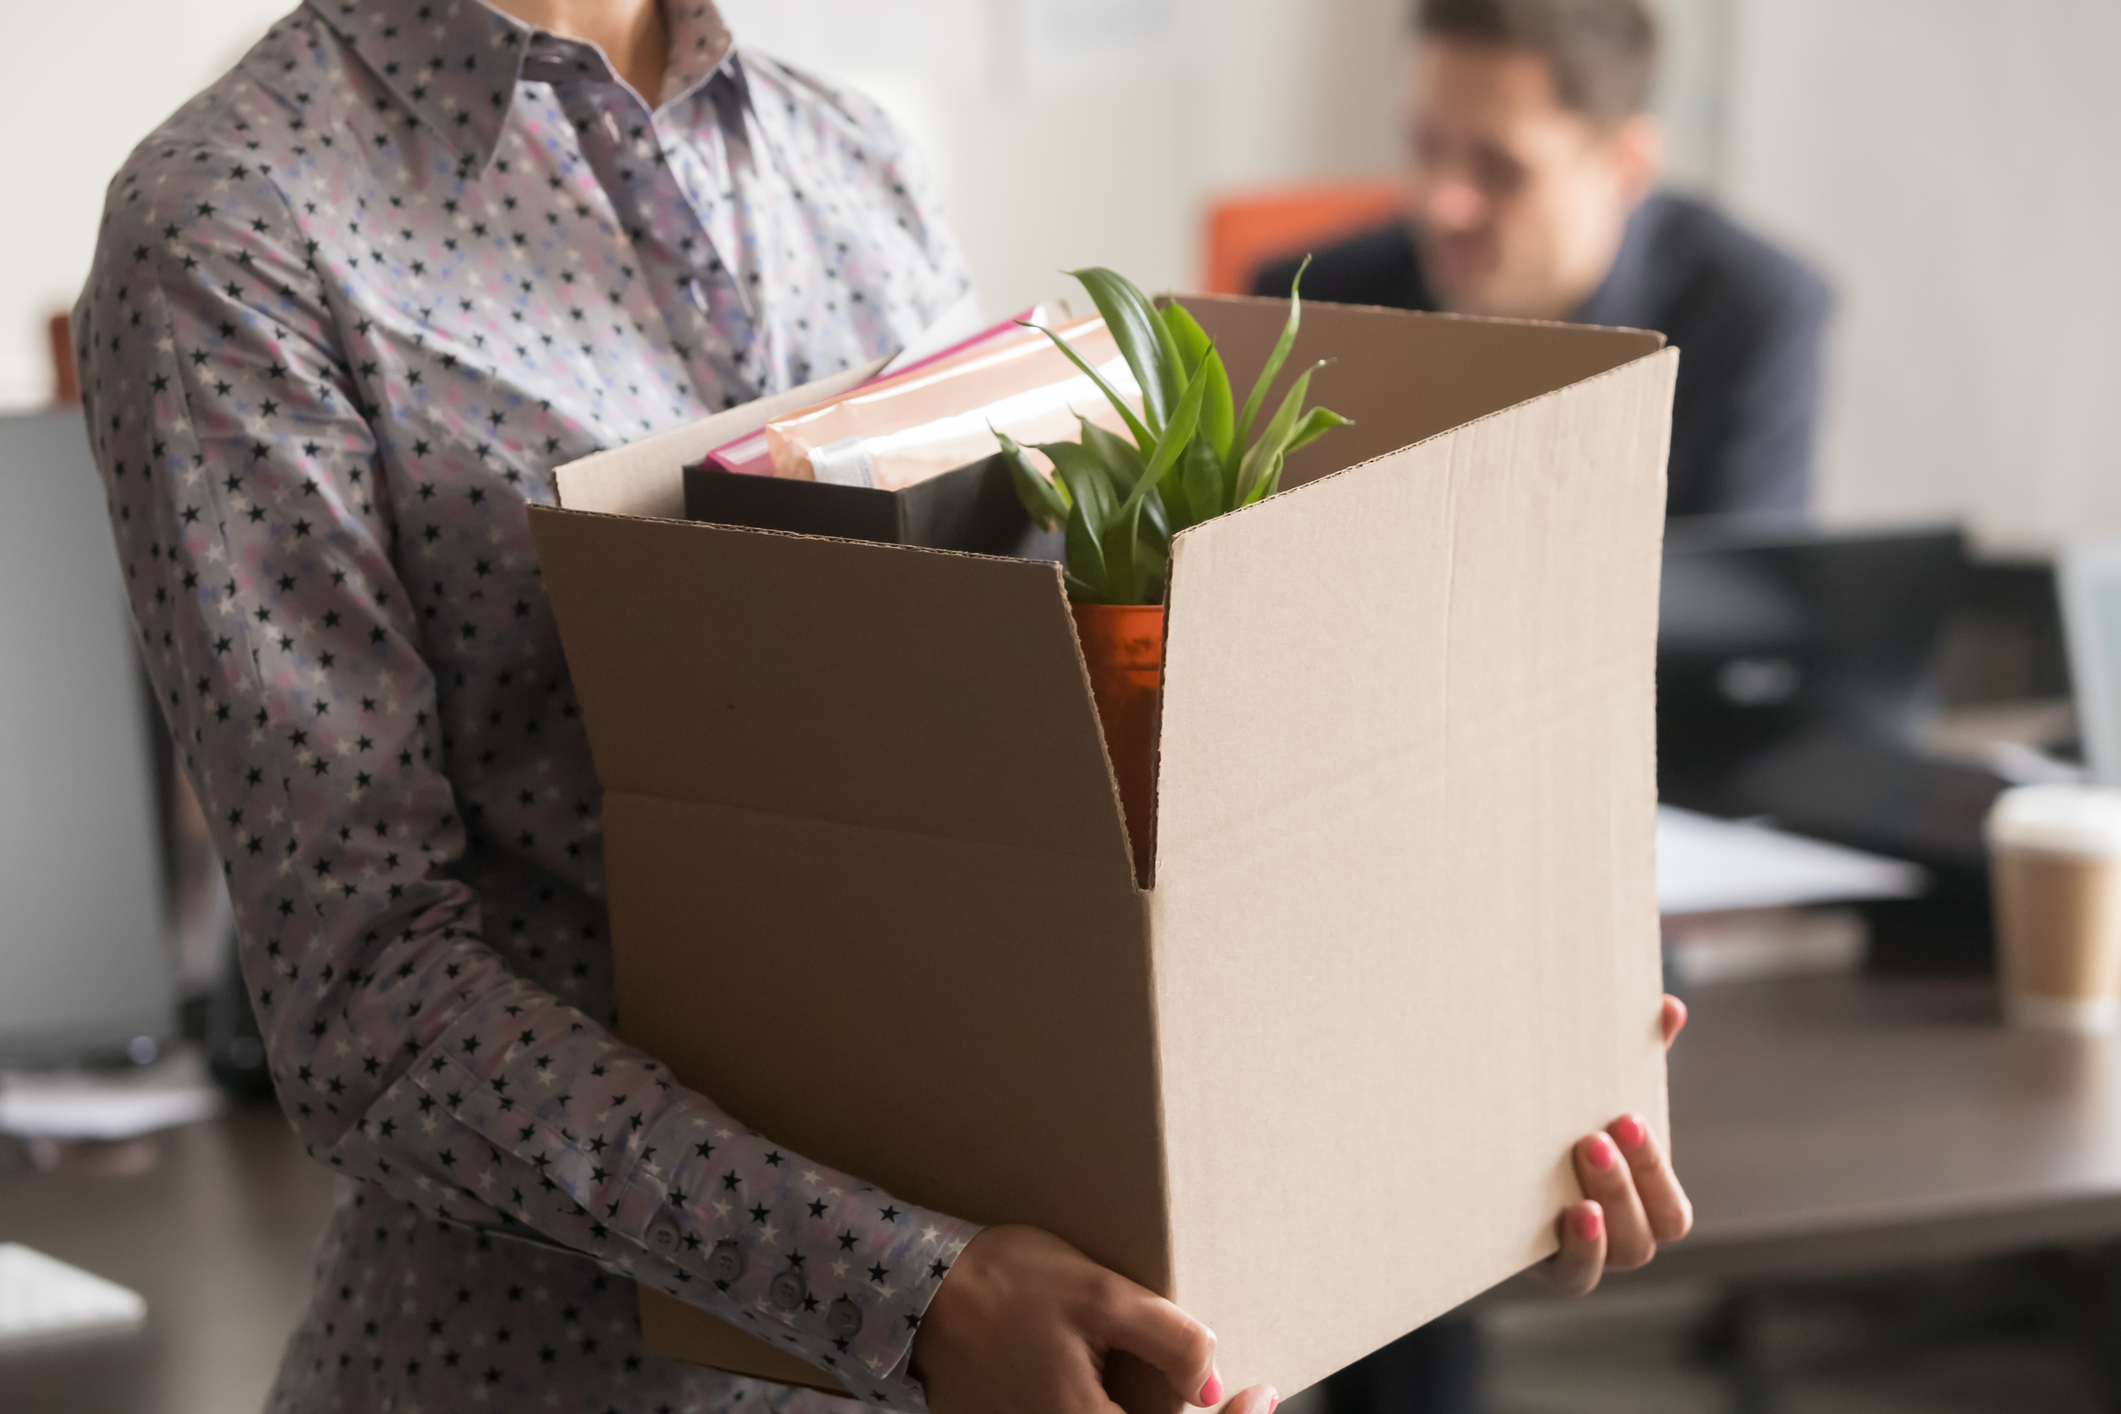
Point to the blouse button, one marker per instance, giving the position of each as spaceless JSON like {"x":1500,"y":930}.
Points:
{"x":663,"y":1236}
{"x":786,"y":1291}
{"x":844,"y":1320}
{"x":727,"y":1262}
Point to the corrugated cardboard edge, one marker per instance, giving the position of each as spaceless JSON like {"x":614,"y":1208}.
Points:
{"x":546,"y":520}
{"x":1178,"y":540}
{"x":1436,"y":315}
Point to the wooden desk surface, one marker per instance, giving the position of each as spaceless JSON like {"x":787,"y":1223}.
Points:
{"x":1840,"y":1123}
{"x":216,"y":1236}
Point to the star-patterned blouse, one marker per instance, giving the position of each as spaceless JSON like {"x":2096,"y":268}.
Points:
{"x":349,"y":308}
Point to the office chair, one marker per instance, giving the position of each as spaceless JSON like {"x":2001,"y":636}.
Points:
{"x":1246,"y":230}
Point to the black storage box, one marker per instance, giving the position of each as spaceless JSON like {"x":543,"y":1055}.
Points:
{"x":974,"y":509}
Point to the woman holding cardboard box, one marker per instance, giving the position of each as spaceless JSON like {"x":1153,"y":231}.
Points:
{"x":349,"y":308}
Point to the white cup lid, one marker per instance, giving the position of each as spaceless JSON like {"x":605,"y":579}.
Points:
{"x":2060,"y":819}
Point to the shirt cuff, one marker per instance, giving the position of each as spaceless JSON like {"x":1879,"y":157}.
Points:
{"x":825,"y":1266}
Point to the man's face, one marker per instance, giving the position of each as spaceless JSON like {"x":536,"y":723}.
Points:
{"x":1518,"y":204}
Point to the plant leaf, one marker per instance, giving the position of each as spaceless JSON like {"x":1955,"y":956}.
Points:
{"x":1316,"y":424}
{"x":1088,"y":484}
{"x":1274,"y":441}
{"x":1185,"y":418}
{"x":1118,"y":543}
{"x":1142,"y":435}
{"x":1269,"y":481}
{"x":1073,"y":463}
{"x":1123,"y":458}
{"x":1136,"y":564}
{"x":1272,"y":370}
{"x":1086,"y":558}
{"x":1218,"y":419}
{"x":1192,"y":340}
{"x":1045,"y":502}
{"x":1153,"y":568}
{"x":1200,"y":476}
{"x":1122,"y":538}
{"x":1156,"y":519}
{"x":1143,"y":340}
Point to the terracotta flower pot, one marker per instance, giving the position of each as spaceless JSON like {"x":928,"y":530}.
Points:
{"x":1123,"y":644}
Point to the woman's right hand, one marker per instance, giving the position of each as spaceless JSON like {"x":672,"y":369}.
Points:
{"x":1023,"y":1322}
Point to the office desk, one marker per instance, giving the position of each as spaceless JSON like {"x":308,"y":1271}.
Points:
{"x":1836,"y":1124}
{"x":216,"y":1237}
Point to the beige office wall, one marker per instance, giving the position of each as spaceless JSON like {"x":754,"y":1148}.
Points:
{"x":90,"y":78}
{"x":1952,"y":164}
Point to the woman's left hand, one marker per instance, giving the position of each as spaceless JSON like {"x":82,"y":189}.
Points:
{"x":1632,"y":1200}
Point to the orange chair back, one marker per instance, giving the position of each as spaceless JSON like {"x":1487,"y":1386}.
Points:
{"x":66,"y":384}
{"x":1251,"y":229}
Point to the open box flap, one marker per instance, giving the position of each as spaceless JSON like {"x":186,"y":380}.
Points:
{"x":1469,"y":368}
{"x":1407,"y":709}
{"x":989,"y":1052}
{"x":724,"y":666}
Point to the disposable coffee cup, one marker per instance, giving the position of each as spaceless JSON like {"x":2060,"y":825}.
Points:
{"x":2055,"y":855}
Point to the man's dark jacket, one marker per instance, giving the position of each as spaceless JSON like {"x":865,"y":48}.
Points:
{"x":1748,"y":321}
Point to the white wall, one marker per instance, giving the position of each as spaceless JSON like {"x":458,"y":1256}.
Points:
{"x":1694,"y":74}
{"x":89,"y":80}
{"x":1953,"y":164}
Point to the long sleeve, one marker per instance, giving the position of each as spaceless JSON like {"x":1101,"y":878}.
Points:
{"x":230,"y":399}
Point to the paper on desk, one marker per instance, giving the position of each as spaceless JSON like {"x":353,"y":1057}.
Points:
{"x":42,"y":1298}
{"x":75,"y":1106}
{"x":1706,"y":865}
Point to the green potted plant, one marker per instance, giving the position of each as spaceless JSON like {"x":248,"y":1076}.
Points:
{"x":1194,"y":455}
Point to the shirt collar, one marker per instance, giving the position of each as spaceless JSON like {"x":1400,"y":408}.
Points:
{"x":455,"y":63}
{"x":699,"y":45}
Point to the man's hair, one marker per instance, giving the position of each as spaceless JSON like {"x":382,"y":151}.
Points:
{"x":1602,"y":53}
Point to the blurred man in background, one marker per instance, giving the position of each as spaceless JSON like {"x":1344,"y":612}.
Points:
{"x":1532,"y":195}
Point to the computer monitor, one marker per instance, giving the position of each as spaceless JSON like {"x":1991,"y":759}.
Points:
{"x":1768,"y":635}
{"x":2091,"y":616}
{"x":85,"y":964}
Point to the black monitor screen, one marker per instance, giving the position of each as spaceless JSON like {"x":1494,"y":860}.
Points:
{"x":1766,"y":635}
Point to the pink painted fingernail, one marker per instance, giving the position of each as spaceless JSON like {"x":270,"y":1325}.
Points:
{"x":1211,"y":1393}
{"x":1631,"y":1132}
{"x":1602,"y":1155}
{"x":1273,"y":1404}
{"x":1590,"y":1225}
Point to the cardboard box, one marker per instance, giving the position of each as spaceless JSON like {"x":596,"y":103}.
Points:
{"x":1319,"y":1083}
{"x":974,"y":508}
